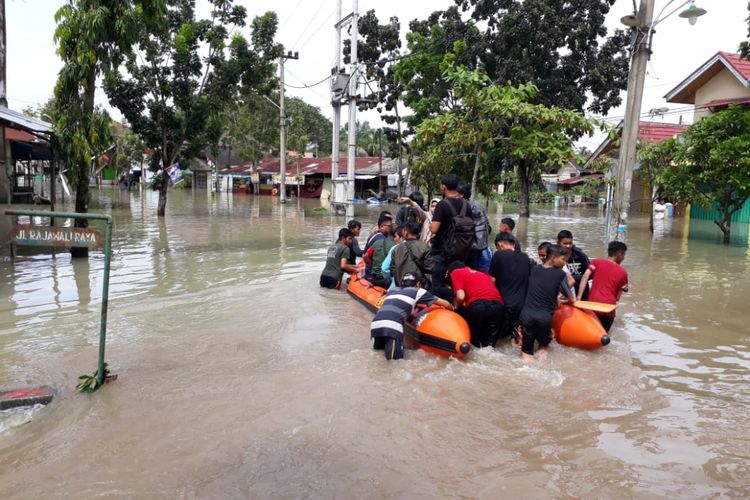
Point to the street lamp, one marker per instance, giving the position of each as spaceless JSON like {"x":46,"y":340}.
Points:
{"x":643,"y":25}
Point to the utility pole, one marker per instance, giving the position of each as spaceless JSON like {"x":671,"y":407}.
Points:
{"x":5,"y":176}
{"x":353,"y":84}
{"x":336,"y":103}
{"x":282,"y":112}
{"x":341,"y":87}
{"x":636,"y":77}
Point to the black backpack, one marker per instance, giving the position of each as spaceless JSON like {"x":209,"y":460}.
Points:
{"x":458,"y":239}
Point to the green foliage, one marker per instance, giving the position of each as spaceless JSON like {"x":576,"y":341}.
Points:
{"x":563,"y":48}
{"x":713,"y":165}
{"x":89,"y":383}
{"x":129,"y":149}
{"x":307,"y":126}
{"x":498,"y":118}
{"x":93,"y":37}
{"x":745,"y":46}
{"x":186,"y":72}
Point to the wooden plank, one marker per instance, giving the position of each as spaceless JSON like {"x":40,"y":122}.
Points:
{"x":63,"y":237}
{"x":595,"y":306}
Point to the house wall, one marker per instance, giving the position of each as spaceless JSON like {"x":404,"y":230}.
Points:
{"x":723,"y":86}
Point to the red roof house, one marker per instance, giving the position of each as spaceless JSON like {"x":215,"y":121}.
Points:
{"x":722,"y":80}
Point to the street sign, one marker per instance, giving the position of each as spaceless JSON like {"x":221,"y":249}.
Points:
{"x":67,"y":237}
{"x":63,"y":237}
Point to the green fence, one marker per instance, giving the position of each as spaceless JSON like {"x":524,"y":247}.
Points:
{"x":704,"y":213}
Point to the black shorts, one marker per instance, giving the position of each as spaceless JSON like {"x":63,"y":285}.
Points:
{"x":606,"y":321}
{"x":328,"y":282}
{"x":536,"y":328}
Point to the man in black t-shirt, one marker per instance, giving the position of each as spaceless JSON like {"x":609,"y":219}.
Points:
{"x":510,"y":271}
{"x":545,"y":282}
{"x":441,"y":221}
{"x":577,"y":263}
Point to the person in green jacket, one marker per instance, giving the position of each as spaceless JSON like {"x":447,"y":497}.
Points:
{"x":411,"y":256}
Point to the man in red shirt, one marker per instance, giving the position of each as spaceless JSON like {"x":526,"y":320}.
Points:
{"x":478,"y":301}
{"x":610,"y":280}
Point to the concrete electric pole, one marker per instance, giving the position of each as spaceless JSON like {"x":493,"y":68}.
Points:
{"x":336,"y":103}
{"x":343,"y":85}
{"x":282,"y":133}
{"x":636,"y":77}
{"x":642,"y":22}
{"x":352,"y":127}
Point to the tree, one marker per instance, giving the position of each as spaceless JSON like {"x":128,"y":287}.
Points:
{"x":745,"y":46}
{"x":712,"y":165}
{"x":378,"y":47}
{"x":503,"y":118}
{"x":307,"y":120}
{"x":129,"y":150}
{"x":561,"y":47}
{"x":92,"y":36}
{"x":251,"y":127}
{"x":185,"y":73}
{"x":655,"y":159}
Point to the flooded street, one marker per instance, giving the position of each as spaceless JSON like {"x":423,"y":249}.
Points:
{"x":240,"y":378}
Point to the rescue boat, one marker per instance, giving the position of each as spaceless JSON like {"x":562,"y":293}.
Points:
{"x":578,"y":328}
{"x":433,"y":329}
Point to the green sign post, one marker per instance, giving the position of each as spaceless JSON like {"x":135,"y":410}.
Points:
{"x":67,"y":237}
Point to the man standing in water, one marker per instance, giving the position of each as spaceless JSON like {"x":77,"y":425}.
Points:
{"x":355,"y":251}
{"x":337,"y":261}
{"x":443,"y":225}
{"x":510,"y":272}
{"x":545,"y":282}
{"x":387,"y":327}
{"x":610,"y":280}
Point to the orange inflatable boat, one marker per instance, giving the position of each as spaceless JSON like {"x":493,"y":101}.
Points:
{"x":575,"y":327}
{"x":435,"y":330}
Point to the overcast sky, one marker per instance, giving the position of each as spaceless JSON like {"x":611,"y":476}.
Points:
{"x":306,"y":26}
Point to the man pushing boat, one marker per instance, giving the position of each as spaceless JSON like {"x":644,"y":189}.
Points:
{"x":387,"y":327}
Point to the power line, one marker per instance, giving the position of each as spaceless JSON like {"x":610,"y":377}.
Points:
{"x":319,"y":10}
{"x":290,"y":15}
{"x":316,"y":30}
{"x":304,"y":85}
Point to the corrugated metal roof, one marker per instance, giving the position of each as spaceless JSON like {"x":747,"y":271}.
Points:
{"x":367,"y":165}
{"x":23,"y":122}
{"x":719,"y":103}
{"x":577,"y":180}
{"x":657,"y":132}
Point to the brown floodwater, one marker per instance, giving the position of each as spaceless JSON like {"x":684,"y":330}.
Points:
{"x":240,"y":378}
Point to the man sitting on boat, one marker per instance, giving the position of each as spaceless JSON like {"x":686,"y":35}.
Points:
{"x":387,"y":328}
{"x":376,"y":251}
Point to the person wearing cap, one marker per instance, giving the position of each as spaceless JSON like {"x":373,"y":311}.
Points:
{"x":387,"y":327}
{"x":478,"y":301}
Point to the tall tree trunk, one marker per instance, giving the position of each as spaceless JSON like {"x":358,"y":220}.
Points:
{"x":477,"y":163}
{"x":162,"y":207}
{"x":651,"y":209}
{"x":82,"y":188}
{"x":523,"y":189}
